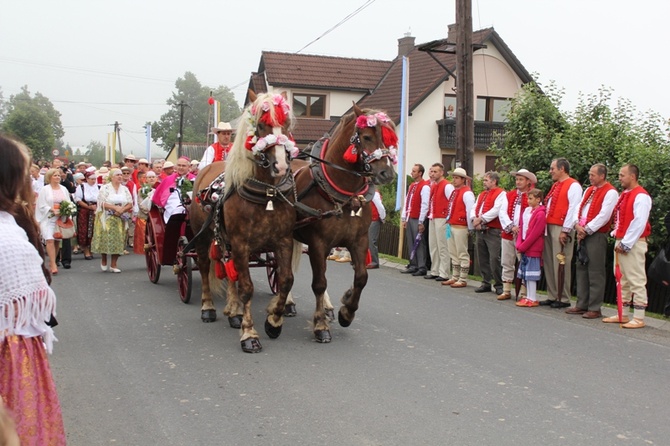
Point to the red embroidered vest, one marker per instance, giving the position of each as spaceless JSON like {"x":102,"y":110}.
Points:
{"x":458,"y":215}
{"x":512,"y":197}
{"x":597,"y":196}
{"x":623,"y":212}
{"x":438,"y":202}
{"x":414,"y":199}
{"x":558,"y":208}
{"x":488,"y":197}
{"x":220,"y":150}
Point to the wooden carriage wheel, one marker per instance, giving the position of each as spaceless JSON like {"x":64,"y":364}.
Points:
{"x":151,"y":254}
{"x":184,"y":271}
{"x":271,"y":269}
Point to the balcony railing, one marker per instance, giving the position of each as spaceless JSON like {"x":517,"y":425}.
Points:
{"x":485,"y":134}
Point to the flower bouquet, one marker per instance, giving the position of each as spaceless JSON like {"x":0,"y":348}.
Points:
{"x":185,"y":187}
{"x":64,"y":225}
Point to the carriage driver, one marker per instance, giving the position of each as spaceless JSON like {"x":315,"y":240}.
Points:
{"x":220,"y":149}
{"x":167,"y":192}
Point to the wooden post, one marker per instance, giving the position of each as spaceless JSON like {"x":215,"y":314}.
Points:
{"x":465,"y":121}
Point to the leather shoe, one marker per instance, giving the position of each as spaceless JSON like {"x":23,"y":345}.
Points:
{"x":459,"y":285}
{"x":430,"y":277}
{"x":592,"y":315}
{"x":419,"y":272}
{"x":372,"y":266}
{"x":575,"y":310}
{"x":557,"y":304}
{"x":441,"y":279}
{"x":449,"y":282}
{"x":483,"y":288}
{"x":499,"y":290}
{"x":546,"y":302}
{"x":409,"y":271}
{"x":67,"y":266}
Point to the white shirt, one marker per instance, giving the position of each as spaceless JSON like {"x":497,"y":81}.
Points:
{"x":641,"y":210}
{"x":377,"y":202}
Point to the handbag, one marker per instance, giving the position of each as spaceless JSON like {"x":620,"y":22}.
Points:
{"x":659,"y":270}
{"x":64,"y":229}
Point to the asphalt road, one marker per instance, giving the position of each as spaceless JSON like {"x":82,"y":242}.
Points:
{"x":420,"y":365}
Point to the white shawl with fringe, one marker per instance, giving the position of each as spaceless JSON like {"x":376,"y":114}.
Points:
{"x":26,"y":300}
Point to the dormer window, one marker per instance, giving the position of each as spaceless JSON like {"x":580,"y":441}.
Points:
{"x":309,"y":105}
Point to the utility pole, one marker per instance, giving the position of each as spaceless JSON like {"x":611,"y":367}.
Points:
{"x":465,"y":121}
{"x":117,"y":131}
{"x":182,"y":104}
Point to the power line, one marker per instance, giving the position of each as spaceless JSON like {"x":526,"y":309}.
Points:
{"x":328,"y":31}
{"x":110,"y":103}
{"x":81,"y":70}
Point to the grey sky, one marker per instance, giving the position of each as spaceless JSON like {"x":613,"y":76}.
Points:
{"x":86,"y":55}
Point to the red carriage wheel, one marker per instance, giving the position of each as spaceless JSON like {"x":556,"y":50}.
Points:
{"x":271,"y":268}
{"x":151,"y":254}
{"x":184,"y":271}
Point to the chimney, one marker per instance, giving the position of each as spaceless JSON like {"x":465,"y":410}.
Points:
{"x":452,"y":33}
{"x":405,"y":44}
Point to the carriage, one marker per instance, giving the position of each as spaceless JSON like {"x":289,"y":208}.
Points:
{"x":168,"y":245}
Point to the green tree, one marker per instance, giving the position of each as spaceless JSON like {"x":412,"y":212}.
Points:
{"x":595,"y":132}
{"x":95,"y":153}
{"x":35,"y":121}
{"x":196,"y":112}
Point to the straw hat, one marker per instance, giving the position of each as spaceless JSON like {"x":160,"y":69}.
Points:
{"x":460,"y":172}
{"x":525,"y":173}
{"x":103,"y":170}
{"x":143,"y":161}
{"x":222,"y":127}
{"x":130,"y":157}
{"x":168,"y":164}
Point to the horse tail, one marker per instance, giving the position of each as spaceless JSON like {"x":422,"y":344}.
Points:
{"x":217,"y":286}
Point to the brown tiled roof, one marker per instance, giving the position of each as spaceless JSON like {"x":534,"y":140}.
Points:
{"x":327,"y":72}
{"x":310,"y":130}
{"x":425,"y":75}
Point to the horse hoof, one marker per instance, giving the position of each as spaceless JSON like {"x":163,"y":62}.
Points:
{"x":272,"y":331}
{"x":323,"y":336}
{"x":330,"y":314}
{"x":235,"y":321}
{"x":343,"y":322}
{"x":208,"y":315}
{"x":251,"y":345}
{"x":290,"y":311}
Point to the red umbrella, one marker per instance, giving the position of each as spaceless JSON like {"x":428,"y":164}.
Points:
{"x":617,"y":276}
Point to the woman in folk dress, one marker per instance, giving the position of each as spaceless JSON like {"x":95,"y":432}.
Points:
{"x":86,"y":198}
{"x":111,"y":221}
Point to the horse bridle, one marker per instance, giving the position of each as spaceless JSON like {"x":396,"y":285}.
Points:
{"x":368,"y":158}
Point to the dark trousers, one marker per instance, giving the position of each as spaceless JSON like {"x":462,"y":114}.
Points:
{"x":373,"y":235}
{"x":65,"y":252}
{"x":488,"y":252}
{"x":419,"y":260}
{"x":592,"y":276}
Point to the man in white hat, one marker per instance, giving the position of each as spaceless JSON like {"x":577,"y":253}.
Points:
{"x":515,"y":202}
{"x":461,"y":203}
{"x":219,"y":150}
{"x":142,"y":166}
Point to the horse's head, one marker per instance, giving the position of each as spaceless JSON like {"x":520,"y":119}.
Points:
{"x":269,"y":135}
{"x":265,"y":146}
{"x":373,"y":145}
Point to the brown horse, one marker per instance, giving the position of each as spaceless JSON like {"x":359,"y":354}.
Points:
{"x":255,"y":214}
{"x":362,"y":151}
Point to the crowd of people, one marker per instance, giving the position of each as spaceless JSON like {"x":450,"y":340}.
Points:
{"x":521,"y":231}
{"x":50,"y":211}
